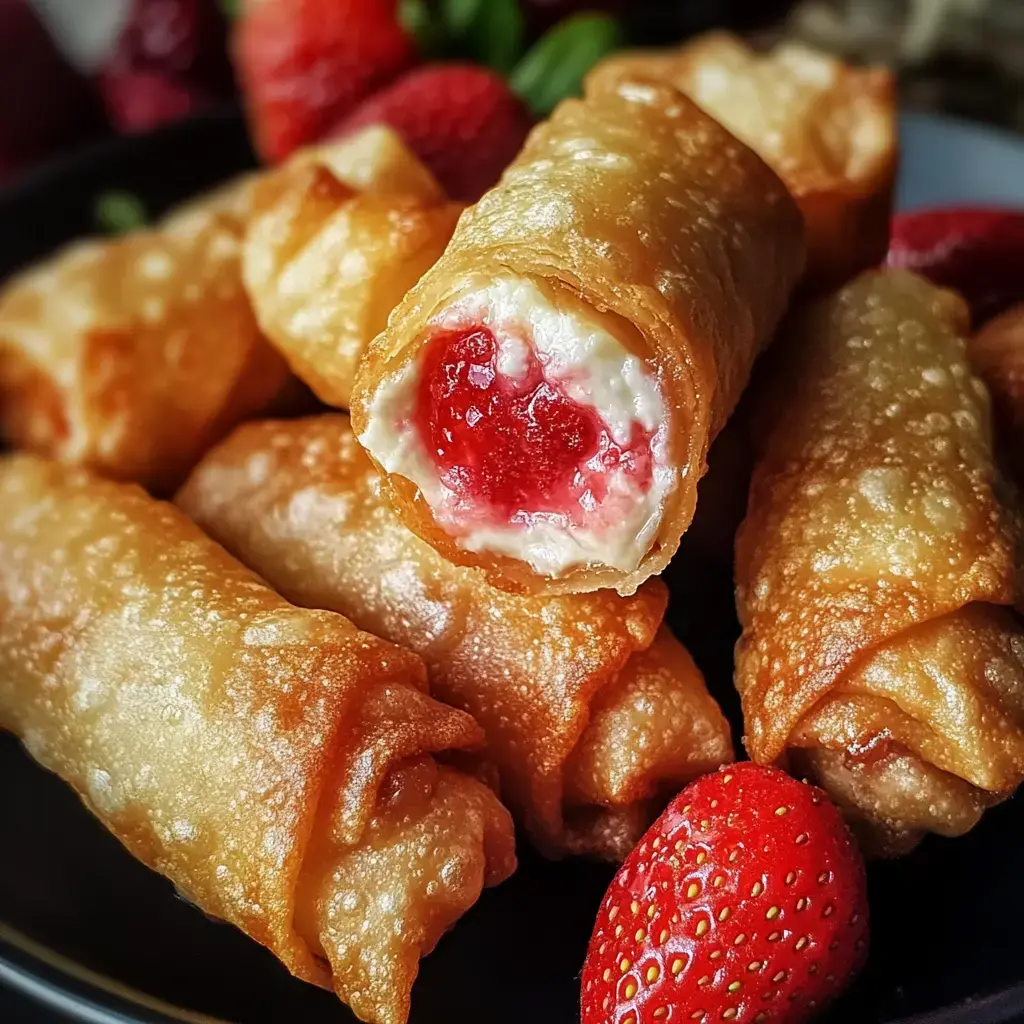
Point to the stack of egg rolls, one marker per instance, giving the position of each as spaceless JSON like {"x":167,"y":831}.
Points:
{"x":876,"y":568}
{"x":276,"y":764}
{"x":633,"y":212}
{"x":594,"y":713}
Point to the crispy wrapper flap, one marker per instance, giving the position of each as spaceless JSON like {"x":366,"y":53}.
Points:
{"x":877,"y":558}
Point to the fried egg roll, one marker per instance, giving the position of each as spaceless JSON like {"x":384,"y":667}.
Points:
{"x":875,"y":569}
{"x":275,"y":763}
{"x":829,"y":130}
{"x":132,"y":355}
{"x":594,"y":713}
{"x":335,"y":240}
{"x":997,"y":355}
{"x":542,"y":402}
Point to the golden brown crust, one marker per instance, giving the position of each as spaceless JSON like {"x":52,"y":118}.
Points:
{"x":132,"y":356}
{"x":828,"y":130}
{"x":587,"y":721}
{"x":647,"y":211}
{"x":877,"y":550}
{"x":219,"y":732}
{"x":997,"y":356}
{"x":336,"y":239}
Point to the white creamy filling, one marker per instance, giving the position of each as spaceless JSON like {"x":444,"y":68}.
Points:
{"x":594,"y":368}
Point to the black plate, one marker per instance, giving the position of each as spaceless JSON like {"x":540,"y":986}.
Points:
{"x":948,"y":943}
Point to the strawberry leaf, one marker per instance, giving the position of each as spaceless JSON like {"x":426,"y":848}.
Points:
{"x":117,"y":211}
{"x":554,"y":68}
{"x":417,"y":17}
{"x":231,"y":9}
{"x":488,"y":31}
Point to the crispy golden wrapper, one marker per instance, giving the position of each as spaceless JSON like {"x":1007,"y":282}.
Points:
{"x":336,"y":239}
{"x":643,"y":210}
{"x":274,"y":763}
{"x":875,"y":567}
{"x":133,"y":355}
{"x":591,"y":713}
{"x":997,"y":356}
{"x":829,"y":131}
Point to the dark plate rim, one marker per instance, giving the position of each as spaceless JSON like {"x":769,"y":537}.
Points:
{"x":88,"y":997}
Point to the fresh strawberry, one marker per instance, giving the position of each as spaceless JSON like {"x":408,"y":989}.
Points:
{"x":47,"y":104}
{"x":462,"y":121}
{"x":304,"y":65}
{"x":979,"y":252}
{"x":745,"y":901}
{"x":169,"y":60}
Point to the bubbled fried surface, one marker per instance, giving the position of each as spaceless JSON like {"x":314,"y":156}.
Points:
{"x":215,"y":729}
{"x":300,"y":502}
{"x":656,"y":219}
{"x":876,"y":550}
{"x":337,"y":237}
{"x":829,"y":131}
{"x":435,"y":839}
{"x":132,"y":355}
{"x":997,"y":356}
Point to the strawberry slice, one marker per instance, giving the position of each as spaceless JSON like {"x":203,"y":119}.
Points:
{"x":977,"y":251}
{"x":745,"y":901}
{"x":462,"y":121}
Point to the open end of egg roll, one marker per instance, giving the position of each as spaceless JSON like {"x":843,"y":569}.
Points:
{"x":591,"y":714}
{"x":541,"y":404}
{"x":245,"y":748}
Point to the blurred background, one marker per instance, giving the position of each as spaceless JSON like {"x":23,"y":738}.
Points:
{"x":74,"y":71}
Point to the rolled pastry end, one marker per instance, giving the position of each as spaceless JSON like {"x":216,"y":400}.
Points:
{"x":436,"y":839}
{"x":530,"y":428}
{"x":652,"y":731}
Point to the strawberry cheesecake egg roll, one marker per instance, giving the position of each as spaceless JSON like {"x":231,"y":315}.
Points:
{"x":542,"y":402}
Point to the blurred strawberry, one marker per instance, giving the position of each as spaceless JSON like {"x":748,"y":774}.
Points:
{"x":169,"y":60}
{"x":47,"y":103}
{"x":304,"y":65}
{"x":461,"y":120}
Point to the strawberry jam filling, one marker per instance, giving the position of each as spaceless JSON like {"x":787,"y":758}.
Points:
{"x":510,"y":447}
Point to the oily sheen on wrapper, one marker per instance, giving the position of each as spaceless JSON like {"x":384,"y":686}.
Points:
{"x":335,"y":240}
{"x":274,"y":763}
{"x":829,"y":130}
{"x":647,"y":215}
{"x":593,"y":713}
{"x":132,"y":355}
{"x":875,"y":569}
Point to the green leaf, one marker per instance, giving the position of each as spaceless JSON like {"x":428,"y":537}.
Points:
{"x":230,"y":8}
{"x":418,"y":19}
{"x":490,"y":32}
{"x":554,"y":68}
{"x":117,"y":212}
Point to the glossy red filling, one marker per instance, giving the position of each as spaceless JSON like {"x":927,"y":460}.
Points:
{"x":511,"y":447}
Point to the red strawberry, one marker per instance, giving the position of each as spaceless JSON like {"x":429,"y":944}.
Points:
{"x":979,"y":252}
{"x":169,"y":60}
{"x":745,"y":901}
{"x":462,"y":121}
{"x":305,"y":64}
